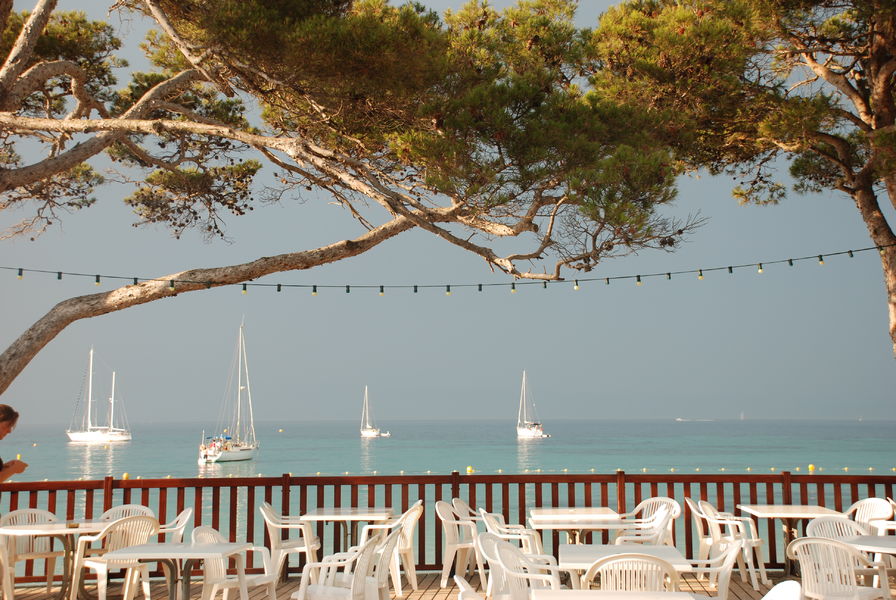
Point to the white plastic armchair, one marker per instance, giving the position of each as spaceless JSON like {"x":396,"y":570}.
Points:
{"x":216,"y":576}
{"x":828,"y":569}
{"x":281,"y":548}
{"x":460,"y":542}
{"x":528,"y":539}
{"x":785,"y":590}
{"x":321,"y":579}
{"x":175,"y":528}
{"x":30,"y":547}
{"x":403,"y":552}
{"x":835,"y":528}
{"x":464,"y":510}
{"x":702,"y":526}
{"x":632,"y":572}
{"x":523,"y":572}
{"x":652,"y":530}
{"x":120,"y":533}
{"x":724,"y":528}
{"x":127,"y":510}
{"x":645,"y":510}
{"x":869,"y":509}
{"x":719,"y":567}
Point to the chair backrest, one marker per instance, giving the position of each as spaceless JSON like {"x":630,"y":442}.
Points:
{"x":465,"y":591}
{"x":714,"y":521}
{"x":215,"y":568}
{"x":827,"y":567}
{"x":786,"y":590}
{"x":835,"y":528}
{"x":869,"y":509}
{"x":126,"y":510}
{"x":409,"y":525}
{"x":648,"y":508}
{"x":633,"y":573}
{"x":697,"y":517}
{"x":719,"y":566}
{"x":271,"y":520}
{"x":128,"y":531}
{"x":487,"y":543}
{"x":384,"y":555}
{"x":513,"y":561}
{"x":463,"y":509}
{"x":22,"y":544}
{"x":449,"y":520}
{"x":176,"y":528}
{"x":362,"y":568}
{"x":528,"y":539}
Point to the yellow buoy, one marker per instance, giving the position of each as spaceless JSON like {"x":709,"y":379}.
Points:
{"x":469,"y":469}
{"x":18,"y":457}
{"x":125,"y":476}
{"x":811,"y":468}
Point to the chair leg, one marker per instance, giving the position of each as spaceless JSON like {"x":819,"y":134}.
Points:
{"x":50,"y":568}
{"x":410,"y":569}
{"x":763,"y":576}
{"x":102,"y":581}
{"x":395,"y":573}
{"x":447,"y":563}
{"x":748,"y":555}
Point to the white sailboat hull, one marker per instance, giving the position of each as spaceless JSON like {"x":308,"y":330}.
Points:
{"x":374,"y":433}
{"x":100,"y":435}
{"x":246,"y":452}
{"x":368,"y":428}
{"x":531,"y":431}
{"x":527,"y":427}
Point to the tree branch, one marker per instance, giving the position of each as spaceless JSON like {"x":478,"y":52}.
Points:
{"x":21,"y":52}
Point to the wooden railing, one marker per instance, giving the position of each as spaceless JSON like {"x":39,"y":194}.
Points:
{"x":231,"y":504}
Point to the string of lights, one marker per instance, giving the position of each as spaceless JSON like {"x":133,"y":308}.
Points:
{"x":638,"y":278}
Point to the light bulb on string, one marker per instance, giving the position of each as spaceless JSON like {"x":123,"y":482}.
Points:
{"x":851,"y":255}
{"x":607,"y":280}
{"x":731,"y":270}
{"x":21,"y":273}
{"x":700,"y":274}
{"x":638,"y":280}
{"x":513,"y":288}
{"x":96,"y":280}
{"x":820,"y":259}
{"x":415,"y":289}
{"x":245,"y":288}
{"x":668,"y":276}
{"x":759,"y":268}
{"x":171,"y":284}
{"x":790,"y":262}
{"x":544,"y":284}
{"x":314,"y":290}
{"x":447,"y":290}
{"x":348,"y":289}
{"x":279,"y":287}
{"x":59,"y":275}
{"x":575,"y":287}
{"x":382,"y":291}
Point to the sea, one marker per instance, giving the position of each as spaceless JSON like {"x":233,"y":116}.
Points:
{"x":441,"y":446}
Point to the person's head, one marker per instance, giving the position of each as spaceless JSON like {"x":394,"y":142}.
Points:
{"x":8,"y":419}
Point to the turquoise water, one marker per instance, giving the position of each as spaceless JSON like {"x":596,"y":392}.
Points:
{"x":416,"y":447}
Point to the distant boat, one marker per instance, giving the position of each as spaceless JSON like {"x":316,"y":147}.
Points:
{"x":90,"y":432}
{"x":527,"y":424}
{"x":236,"y":442}
{"x":368,"y":427}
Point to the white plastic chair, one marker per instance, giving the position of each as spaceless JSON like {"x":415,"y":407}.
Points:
{"x":528,"y":539}
{"x":702,"y":526}
{"x":120,"y":533}
{"x":632,"y":572}
{"x":651,"y":530}
{"x":724,"y":528}
{"x":465,"y":591}
{"x":464,"y":510}
{"x":30,"y":547}
{"x":523,"y":572}
{"x":645,"y":512}
{"x":785,"y":590}
{"x":175,"y":528}
{"x":869,"y":509}
{"x":6,"y":576}
{"x":719,"y":567}
{"x":835,"y":528}
{"x":216,"y":577}
{"x":405,"y":549}
{"x":495,"y":586}
{"x":460,"y":540}
{"x":281,"y":548}
{"x":127,"y":510}
{"x":319,"y":579}
{"x":828,"y":569}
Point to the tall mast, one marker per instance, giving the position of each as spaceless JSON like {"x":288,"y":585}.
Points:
{"x":365,"y":417}
{"x":89,"y":388}
{"x":239,"y":386}
{"x":112,"y":403}
{"x":250,"y":428}
{"x":524,"y":411}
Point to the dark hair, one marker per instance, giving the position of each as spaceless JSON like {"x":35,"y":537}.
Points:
{"x":8,"y":413}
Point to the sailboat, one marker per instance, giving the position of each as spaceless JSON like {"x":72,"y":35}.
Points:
{"x":90,"y":432}
{"x":368,"y":428}
{"x":236,"y":442}
{"x":527,"y":424}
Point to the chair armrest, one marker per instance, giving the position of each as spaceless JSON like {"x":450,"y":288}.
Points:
{"x":265,"y":557}
{"x":380,"y":527}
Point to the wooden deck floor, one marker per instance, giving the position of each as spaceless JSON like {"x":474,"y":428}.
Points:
{"x":428,"y":589}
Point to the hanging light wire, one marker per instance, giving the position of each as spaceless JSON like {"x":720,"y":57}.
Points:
{"x":759,"y":266}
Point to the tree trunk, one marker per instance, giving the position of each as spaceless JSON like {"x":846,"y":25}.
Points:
{"x":882,"y":235}
{"x":20,"y":352}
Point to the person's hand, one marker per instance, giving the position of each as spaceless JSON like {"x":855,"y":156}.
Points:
{"x":16,"y":466}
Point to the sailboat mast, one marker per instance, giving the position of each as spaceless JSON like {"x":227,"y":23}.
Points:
{"x":365,"y":417}
{"x":239,"y":388}
{"x":89,"y":388}
{"x":250,"y":428}
{"x":112,"y":403}
{"x":524,"y":409}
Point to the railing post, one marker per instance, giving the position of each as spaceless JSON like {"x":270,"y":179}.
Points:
{"x":620,"y":491}
{"x":107,"y":493}
{"x":786,"y":495}
{"x":455,"y":484}
{"x":284,"y":497}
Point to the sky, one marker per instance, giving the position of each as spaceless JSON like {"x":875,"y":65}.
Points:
{"x":802,"y":342}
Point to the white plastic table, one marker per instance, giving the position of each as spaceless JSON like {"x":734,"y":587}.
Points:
{"x":171,"y":553}
{"x":545,"y":594}
{"x":575,"y":520}
{"x":576,"y":558}
{"x":65,"y":531}
{"x":350,"y":517}
{"x":874,"y":544}
{"x":788,"y":513}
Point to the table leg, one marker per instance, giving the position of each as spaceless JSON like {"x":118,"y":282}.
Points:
{"x":241,"y":576}
{"x":185,"y":572}
{"x":788,"y":537}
